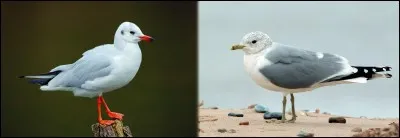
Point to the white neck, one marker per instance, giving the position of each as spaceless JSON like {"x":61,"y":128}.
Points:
{"x":131,"y":50}
{"x":119,"y":43}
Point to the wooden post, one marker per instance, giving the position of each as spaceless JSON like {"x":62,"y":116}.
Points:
{"x":116,"y":129}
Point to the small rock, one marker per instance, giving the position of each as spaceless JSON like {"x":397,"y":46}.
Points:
{"x":222,"y":130}
{"x":337,"y":120}
{"x":357,"y":129}
{"x":391,"y":131}
{"x":326,"y":113}
{"x":231,"y":131}
{"x":317,"y":110}
{"x":386,"y":129}
{"x":235,"y":115}
{"x":244,"y":123}
{"x":276,"y":115}
{"x":261,"y":109}
{"x":251,"y":106}
{"x":305,"y":134}
{"x":214,"y":107}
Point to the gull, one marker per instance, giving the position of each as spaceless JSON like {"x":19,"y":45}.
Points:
{"x":287,"y":69}
{"x":102,"y":69}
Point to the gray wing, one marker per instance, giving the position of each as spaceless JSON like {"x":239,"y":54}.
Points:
{"x":88,"y":68}
{"x":294,"y":68}
{"x":106,"y":49}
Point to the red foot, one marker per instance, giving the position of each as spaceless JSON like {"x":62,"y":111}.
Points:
{"x":106,"y":122}
{"x":115,"y":115}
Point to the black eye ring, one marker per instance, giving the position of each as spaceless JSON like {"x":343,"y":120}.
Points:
{"x":132,"y":32}
{"x":122,"y":32}
{"x":254,"y":41}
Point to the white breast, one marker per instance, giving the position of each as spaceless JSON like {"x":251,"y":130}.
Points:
{"x":252,"y":62}
{"x":125,"y":66}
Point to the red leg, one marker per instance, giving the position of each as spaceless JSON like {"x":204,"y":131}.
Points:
{"x":113,"y":115}
{"x":100,"y":119}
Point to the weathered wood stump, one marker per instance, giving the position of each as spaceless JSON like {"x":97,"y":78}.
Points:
{"x":116,"y":129}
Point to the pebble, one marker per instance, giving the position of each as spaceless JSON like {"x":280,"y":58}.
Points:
{"x":391,"y":131}
{"x":222,"y":130}
{"x":235,"y":115}
{"x":305,"y":134}
{"x":326,"y":113}
{"x":337,"y":120}
{"x":231,"y":131}
{"x":261,"y":109}
{"x":276,"y":115}
{"x":386,"y":129}
{"x":214,"y":107}
{"x":357,"y":129}
{"x":244,"y":123}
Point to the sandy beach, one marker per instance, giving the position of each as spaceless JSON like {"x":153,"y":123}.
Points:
{"x":210,"y":120}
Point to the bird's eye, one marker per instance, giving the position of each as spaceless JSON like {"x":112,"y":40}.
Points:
{"x":122,"y":32}
{"x":254,"y":41}
{"x":132,"y":32}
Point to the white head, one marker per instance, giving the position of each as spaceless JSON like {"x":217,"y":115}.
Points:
{"x":253,"y":42}
{"x":129,"y":32}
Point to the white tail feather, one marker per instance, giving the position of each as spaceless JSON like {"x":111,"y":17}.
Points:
{"x":357,"y":80}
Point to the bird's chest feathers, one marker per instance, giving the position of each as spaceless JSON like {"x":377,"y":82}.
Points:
{"x":126,"y":66}
{"x":252,"y":64}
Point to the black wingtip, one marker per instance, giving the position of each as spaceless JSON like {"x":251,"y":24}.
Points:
{"x":387,"y":68}
{"x":21,"y":76}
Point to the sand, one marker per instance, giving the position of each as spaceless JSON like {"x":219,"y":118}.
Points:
{"x":210,"y":120}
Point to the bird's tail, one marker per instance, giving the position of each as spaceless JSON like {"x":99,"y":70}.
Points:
{"x":371,"y":72}
{"x":41,"y":79}
{"x":363,"y":73}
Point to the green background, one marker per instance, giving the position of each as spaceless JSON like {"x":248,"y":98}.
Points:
{"x":38,"y":36}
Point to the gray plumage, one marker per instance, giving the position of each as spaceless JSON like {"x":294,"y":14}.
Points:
{"x":294,"y":68}
{"x":85,"y":69}
{"x":289,"y":70}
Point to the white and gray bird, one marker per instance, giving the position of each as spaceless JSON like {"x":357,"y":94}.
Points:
{"x":287,"y":69}
{"x":102,"y":69}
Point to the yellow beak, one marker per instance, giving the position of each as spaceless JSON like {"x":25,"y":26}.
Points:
{"x":234,"y":47}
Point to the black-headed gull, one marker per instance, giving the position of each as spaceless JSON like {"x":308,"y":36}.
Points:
{"x":100,"y":70}
{"x":289,"y":70}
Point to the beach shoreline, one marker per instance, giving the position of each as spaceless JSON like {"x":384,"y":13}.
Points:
{"x":211,"y":120}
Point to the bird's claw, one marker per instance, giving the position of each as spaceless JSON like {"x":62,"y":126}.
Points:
{"x":115,"y":115}
{"x":291,"y":121}
{"x":288,"y":121}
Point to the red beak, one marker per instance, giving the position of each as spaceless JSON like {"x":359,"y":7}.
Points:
{"x":146,"y":38}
